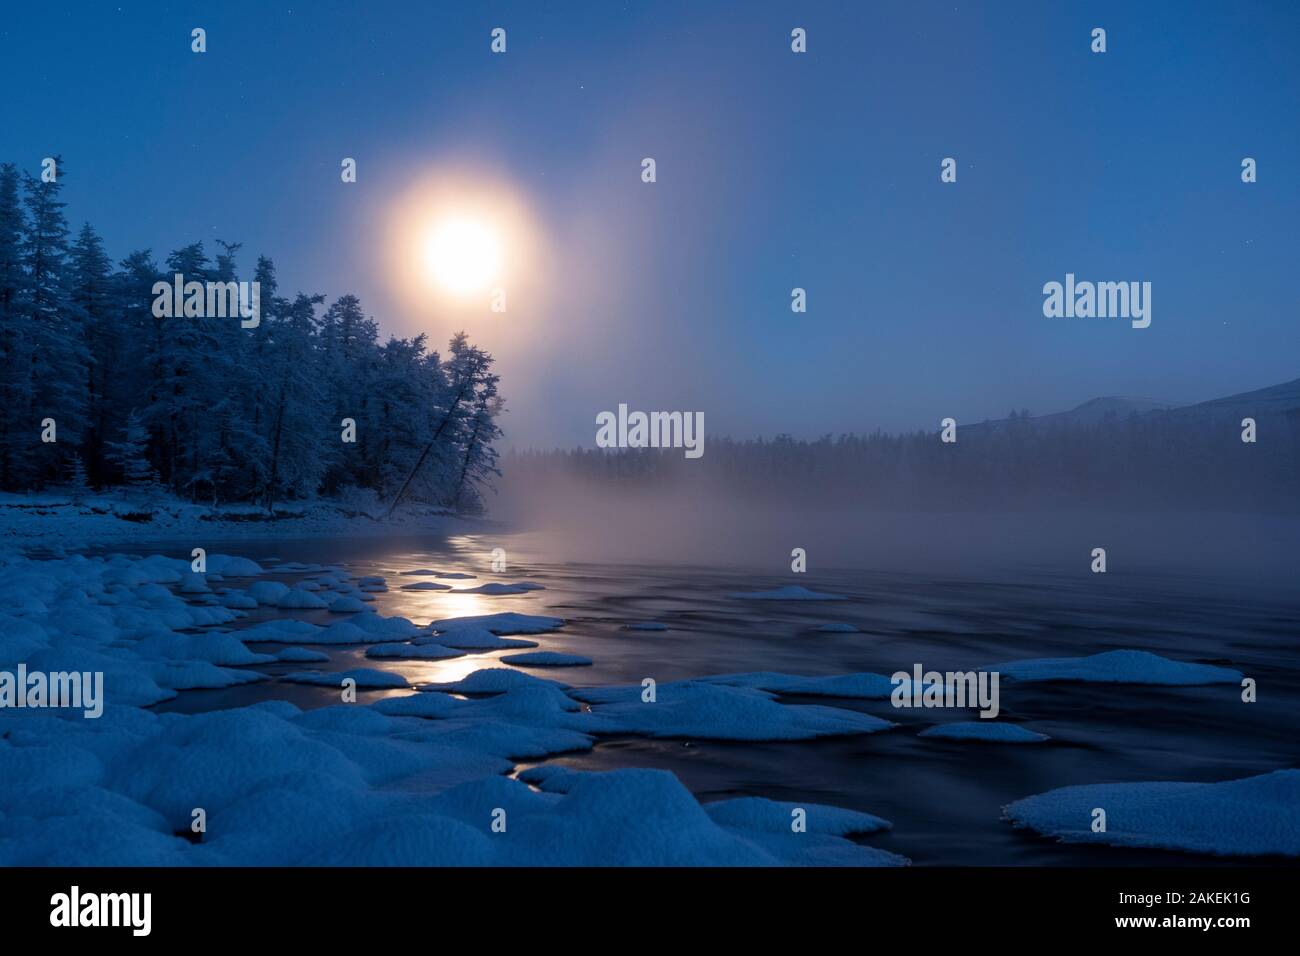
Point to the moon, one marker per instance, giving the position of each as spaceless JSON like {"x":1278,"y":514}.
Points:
{"x":463,"y":255}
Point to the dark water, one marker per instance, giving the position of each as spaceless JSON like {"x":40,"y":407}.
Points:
{"x":944,"y":798}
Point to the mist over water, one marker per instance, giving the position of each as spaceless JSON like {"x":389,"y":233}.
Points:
{"x":700,"y":523}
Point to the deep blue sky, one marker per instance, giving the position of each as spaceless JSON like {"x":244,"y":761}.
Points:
{"x":775,"y":171}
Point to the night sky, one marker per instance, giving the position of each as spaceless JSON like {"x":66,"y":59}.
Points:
{"x":775,"y":170}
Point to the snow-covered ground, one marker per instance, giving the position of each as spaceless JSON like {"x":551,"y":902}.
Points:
{"x":61,"y":521}
{"x":403,"y":772}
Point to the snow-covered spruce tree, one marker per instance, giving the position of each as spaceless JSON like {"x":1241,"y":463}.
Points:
{"x":468,"y":374}
{"x":92,"y":294}
{"x":78,"y":485}
{"x":185,"y":347}
{"x":59,"y":358}
{"x":297,"y":432}
{"x":129,"y":455}
{"x":16,"y":340}
{"x":478,"y":457}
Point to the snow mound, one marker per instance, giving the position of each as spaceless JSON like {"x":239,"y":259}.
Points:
{"x":757,"y":813}
{"x":500,"y":590}
{"x":267,"y":592}
{"x":229,"y":566}
{"x":1254,"y":816}
{"x":1117,"y":667}
{"x":492,"y":680}
{"x":426,"y":586}
{"x":477,"y":638}
{"x":346,"y":605}
{"x":718,"y":712}
{"x":299,"y":599}
{"x":507,"y":622}
{"x":237,"y":600}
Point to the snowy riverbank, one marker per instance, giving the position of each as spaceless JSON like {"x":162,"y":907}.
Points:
{"x":60,"y":521}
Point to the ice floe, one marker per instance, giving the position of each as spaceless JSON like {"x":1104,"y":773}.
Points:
{"x":500,"y":590}
{"x":298,"y":599}
{"x":476,"y":638}
{"x":1253,"y":816}
{"x":1117,"y":667}
{"x":720,"y":712}
{"x":507,"y":622}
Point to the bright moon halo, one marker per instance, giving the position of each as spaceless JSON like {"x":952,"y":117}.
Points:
{"x":463,"y":255}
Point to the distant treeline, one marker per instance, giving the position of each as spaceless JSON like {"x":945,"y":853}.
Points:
{"x":208,"y":409}
{"x":1153,"y":460}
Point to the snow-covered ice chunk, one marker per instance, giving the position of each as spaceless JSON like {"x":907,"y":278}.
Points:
{"x":719,"y":712}
{"x":192,"y":583}
{"x":984,"y":730}
{"x":229,"y":566}
{"x":547,"y":659}
{"x":791,"y":592}
{"x":237,"y":600}
{"x":283,"y":631}
{"x":267,"y":592}
{"x":193,"y":675}
{"x":476,"y":639}
{"x":298,"y":599}
{"x":507,"y":622}
{"x":500,"y":590}
{"x":491,"y":680}
{"x":418,"y":705}
{"x":346,"y":605}
{"x":758,"y":813}
{"x":216,"y":648}
{"x":294,"y":567}
{"x":426,"y":586}
{"x":1117,"y":667}
{"x":1253,"y":816}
